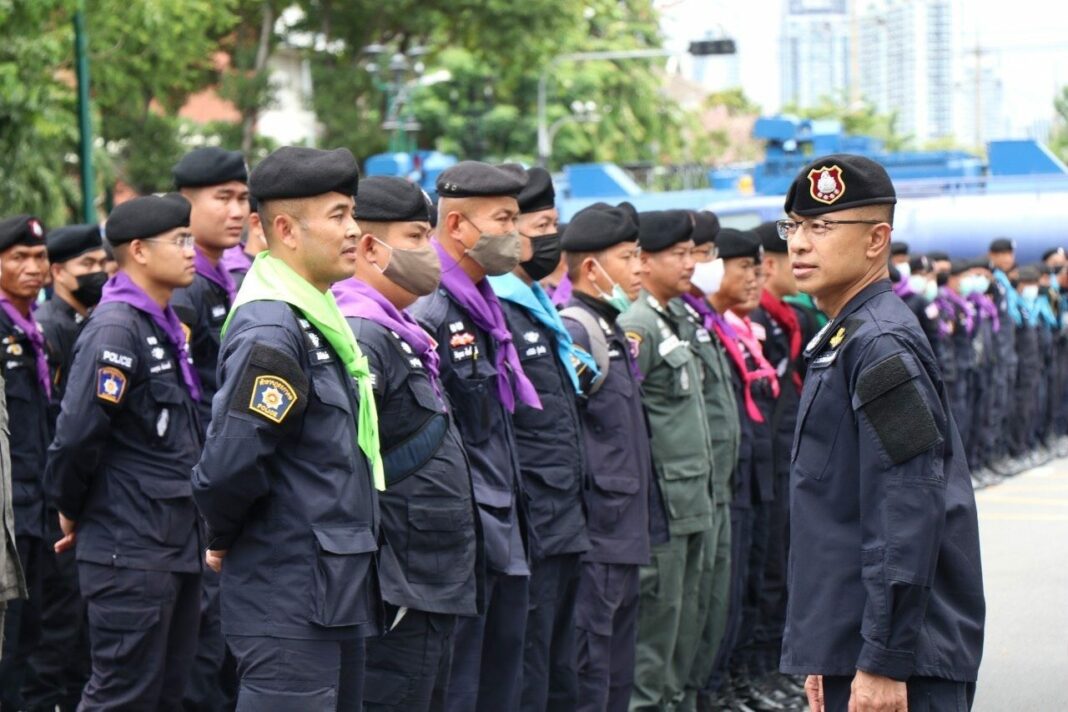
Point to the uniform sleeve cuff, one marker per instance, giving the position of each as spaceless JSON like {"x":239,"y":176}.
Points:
{"x":220,"y":542}
{"x":895,"y":664}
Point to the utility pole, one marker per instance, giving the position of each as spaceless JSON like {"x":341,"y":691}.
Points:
{"x":854,"y":55}
{"x":85,"y":125}
{"x":978,"y":98}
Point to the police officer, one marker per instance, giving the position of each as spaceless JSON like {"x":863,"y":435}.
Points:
{"x":60,"y":662}
{"x":886,"y":598}
{"x":429,"y":546}
{"x":974,"y":286}
{"x":287,"y":480}
{"x":214,"y":181}
{"x":551,"y":460}
{"x":725,"y":430}
{"x":28,"y":388}
{"x":485,"y":382}
{"x":238,"y":259}
{"x":1002,"y":257}
{"x":672,"y":393}
{"x":623,"y":505}
{"x":118,"y":470}
{"x":782,"y":344}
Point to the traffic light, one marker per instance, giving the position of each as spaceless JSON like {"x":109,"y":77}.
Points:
{"x":702,"y":48}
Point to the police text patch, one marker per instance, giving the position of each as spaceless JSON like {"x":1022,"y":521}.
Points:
{"x":110,"y":384}
{"x":272,"y":397}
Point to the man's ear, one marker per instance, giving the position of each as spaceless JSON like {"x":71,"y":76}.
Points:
{"x":138,"y":251}
{"x":879,"y":240}
{"x":286,"y":230}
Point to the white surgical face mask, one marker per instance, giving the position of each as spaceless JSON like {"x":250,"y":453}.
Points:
{"x":904,"y":270}
{"x":708,"y":276}
{"x":1030,"y":292}
{"x":918,"y":284}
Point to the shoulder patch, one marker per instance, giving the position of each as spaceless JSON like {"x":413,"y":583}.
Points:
{"x":634,"y":340}
{"x":896,"y":408}
{"x":110,"y":384}
{"x":272,"y":386}
{"x":119,"y":358}
{"x":272,"y":397}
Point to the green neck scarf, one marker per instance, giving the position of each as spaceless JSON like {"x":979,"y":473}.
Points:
{"x":272,"y":279}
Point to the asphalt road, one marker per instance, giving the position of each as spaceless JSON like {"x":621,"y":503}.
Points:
{"x":1023,"y":525}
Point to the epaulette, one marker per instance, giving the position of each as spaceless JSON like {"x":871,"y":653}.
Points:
{"x":430,"y":311}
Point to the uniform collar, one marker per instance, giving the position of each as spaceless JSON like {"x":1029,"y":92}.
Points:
{"x":852,"y":307}
{"x":598,"y":306}
{"x":68,"y":309}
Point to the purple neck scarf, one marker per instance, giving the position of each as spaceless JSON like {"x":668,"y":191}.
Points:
{"x":359,"y":300}
{"x":480,"y":303}
{"x":986,"y":308}
{"x":124,"y":290}
{"x":562,"y":294}
{"x":236,"y":259}
{"x":902,"y":288}
{"x":711,"y":317}
{"x":964,"y":307}
{"x":216,"y":274}
{"x":37,"y":341}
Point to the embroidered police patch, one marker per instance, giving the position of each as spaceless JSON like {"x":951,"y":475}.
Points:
{"x":272,"y":397}
{"x":110,"y":384}
{"x":634,"y":340}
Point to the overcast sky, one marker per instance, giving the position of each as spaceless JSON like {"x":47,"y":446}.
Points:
{"x":1019,"y":34}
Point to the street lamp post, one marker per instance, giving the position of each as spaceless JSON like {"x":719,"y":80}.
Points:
{"x":396,"y":79}
{"x":699,"y":48}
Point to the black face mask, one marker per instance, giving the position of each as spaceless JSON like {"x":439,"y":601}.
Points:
{"x":90,"y":288}
{"x":546,"y":257}
{"x":942,"y":278}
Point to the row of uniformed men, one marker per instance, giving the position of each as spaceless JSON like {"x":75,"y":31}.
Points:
{"x":1001,"y":337}
{"x":423,"y":449}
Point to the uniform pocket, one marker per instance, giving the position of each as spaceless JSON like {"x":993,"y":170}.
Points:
{"x":343,"y":564}
{"x":170,"y":516}
{"x":471,"y":407}
{"x":439,"y":543}
{"x":682,"y":385}
{"x":607,"y":505}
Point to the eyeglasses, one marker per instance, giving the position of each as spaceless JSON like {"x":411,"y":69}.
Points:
{"x":816,"y":228}
{"x":183,"y":242}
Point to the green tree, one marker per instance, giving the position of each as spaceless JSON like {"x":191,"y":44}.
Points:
{"x":861,"y":119}
{"x":1058,"y":140}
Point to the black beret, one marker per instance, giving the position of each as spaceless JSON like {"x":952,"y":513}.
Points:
{"x":659,"y":230}
{"x":769,"y":237}
{"x":899,"y":248}
{"x":960,"y":266}
{"x":895,"y":273}
{"x":839,"y":182}
{"x":1003,"y":244}
{"x":298,"y":172}
{"x":733,"y":243}
{"x":209,"y":166}
{"x":705,"y":227}
{"x":1027,"y":274}
{"x":390,"y":199}
{"x":938,"y":256}
{"x":21,"y":230}
{"x":919,"y":263}
{"x":66,"y":243}
{"x":146,"y":217}
{"x":473,"y":179}
{"x":253,"y":204}
{"x":600,"y":226}
{"x":1052,"y":251}
{"x":538,"y":193}
{"x":981,"y":263}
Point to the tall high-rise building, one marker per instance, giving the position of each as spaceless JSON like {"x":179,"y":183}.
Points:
{"x":814,"y":53}
{"x":980,"y":106}
{"x":906,"y":63}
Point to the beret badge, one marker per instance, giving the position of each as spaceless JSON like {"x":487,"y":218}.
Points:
{"x":826,"y":184}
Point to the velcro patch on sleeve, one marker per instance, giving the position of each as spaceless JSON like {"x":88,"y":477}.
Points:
{"x":118,"y":358}
{"x":897,"y":410}
{"x":272,"y":386}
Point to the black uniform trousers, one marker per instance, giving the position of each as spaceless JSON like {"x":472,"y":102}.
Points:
{"x":741,"y":543}
{"x":408,"y":668}
{"x":59,"y":665}
{"x":298,"y":675}
{"x":606,"y":631}
{"x":22,"y":624}
{"x":142,"y":635}
{"x":767,"y":638}
{"x":487,"y":663}
{"x":213,"y":680}
{"x":550,"y":681}
{"x":748,"y":653}
{"x":926,"y":694}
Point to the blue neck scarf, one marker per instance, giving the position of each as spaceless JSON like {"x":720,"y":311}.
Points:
{"x":535,"y":300}
{"x":1012,"y":299}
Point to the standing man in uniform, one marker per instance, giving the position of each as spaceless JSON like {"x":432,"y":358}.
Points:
{"x":429,"y":547}
{"x":118,"y":470}
{"x":485,"y":382}
{"x":60,"y":663}
{"x":28,"y":388}
{"x":623,"y":506}
{"x":672,"y":393}
{"x":238,"y":259}
{"x":725,"y":430}
{"x":287,"y":481}
{"x":214,"y":181}
{"x":551,"y":459}
{"x":1002,"y":256}
{"x":886,"y":597}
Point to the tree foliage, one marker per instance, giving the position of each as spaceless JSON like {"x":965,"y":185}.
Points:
{"x":1058,"y":139}
{"x":861,"y":119}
